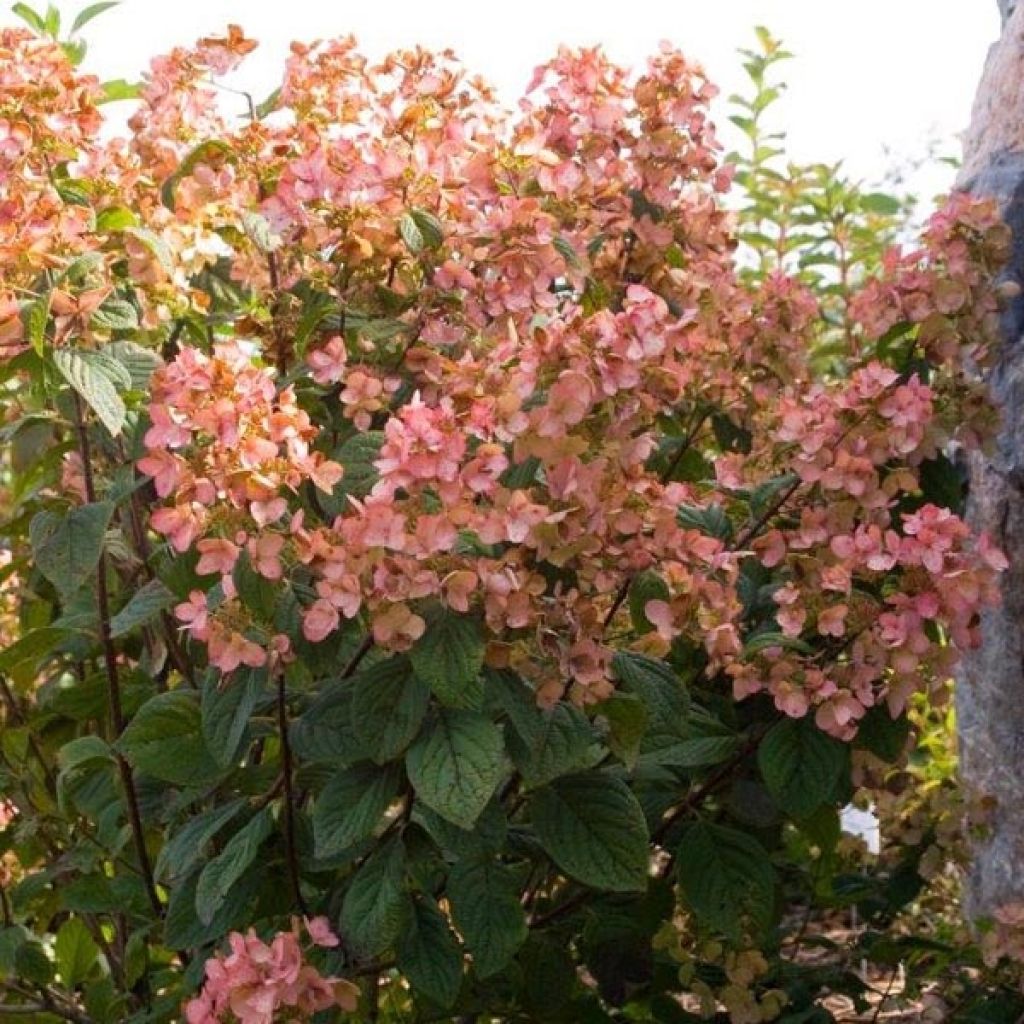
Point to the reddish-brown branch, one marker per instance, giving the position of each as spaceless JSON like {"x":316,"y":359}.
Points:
{"x":289,"y":796}
{"x":117,"y":720}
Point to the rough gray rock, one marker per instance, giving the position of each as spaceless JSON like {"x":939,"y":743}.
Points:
{"x":990,"y":691}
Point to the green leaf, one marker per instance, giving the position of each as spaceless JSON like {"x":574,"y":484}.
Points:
{"x":12,"y":938}
{"x":67,"y":548}
{"x":115,"y":218}
{"x":725,"y":875}
{"x":764,"y":495}
{"x":228,"y":703}
{"x":627,"y":723}
{"x":486,"y":910}
{"x":488,"y":834}
{"x":140,"y":363}
{"x":165,"y":740}
{"x":376,"y":904}
{"x":118,"y":373}
{"x":351,"y":804}
{"x":411,"y":233}
{"x":30,"y":17}
{"x":115,"y":89}
{"x":549,"y":975}
{"x":357,"y":455}
{"x":880,"y":203}
{"x":88,"y":13}
{"x":545,"y":743}
{"x":658,"y":686}
{"x":594,"y":829}
{"x":431,"y":230}
{"x":183,"y":851}
{"x":75,"y":951}
{"x":564,"y":249}
{"x":33,"y":645}
{"x":255,"y":591}
{"x":32,"y":964}
{"x":34,"y":318}
{"x":429,"y":954}
{"x":389,"y":703}
{"x":694,"y":752}
{"x":184,"y":930}
{"x":269,"y":105}
{"x":646,"y":586}
{"x":449,"y":657}
{"x":221,"y":873}
{"x":146,"y":603}
{"x":801,"y":766}
{"x":456,"y":764}
{"x":885,"y":736}
{"x":327,"y":731}
{"x":116,"y":315}
{"x":94,"y":384}
{"x":765,"y":640}
{"x":710,"y":520}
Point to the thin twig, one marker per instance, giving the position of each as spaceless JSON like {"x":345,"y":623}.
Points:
{"x":364,"y":649}
{"x":289,"y":796}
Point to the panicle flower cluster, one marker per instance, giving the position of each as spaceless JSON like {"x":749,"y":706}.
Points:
{"x":227,"y":445}
{"x":263,"y":983}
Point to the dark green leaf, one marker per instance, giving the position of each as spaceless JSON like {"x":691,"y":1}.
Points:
{"x":646,"y":586}
{"x":801,"y":765}
{"x":429,"y":954}
{"x":221,"y":873}
{"x":67,"y":547}
{"x":546,"y":743}
{"x":228,"y":702}
{"x":376,"y":904}
{"x":449,"y":657}
{"x":627,"y":723}
{"x":165,"y":740}
{"x":389,"y":703}
{"x":180,"y":854}
{"x":594,"y":829}
{"x":351,"y":804}
{"x":456,"y":764}
{"x":885,"y":736}
{"x":146,"y":603}
{"x":725,"y":875}
{"x":486,"y":910}
{"x":711,"y":520}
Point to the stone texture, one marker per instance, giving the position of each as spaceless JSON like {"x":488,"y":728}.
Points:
{"x":990,"y":694}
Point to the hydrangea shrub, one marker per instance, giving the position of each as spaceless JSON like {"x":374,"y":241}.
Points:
{"x":457,"y":564}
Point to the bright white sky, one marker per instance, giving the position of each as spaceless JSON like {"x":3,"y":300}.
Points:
{"x":869,"y":76}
